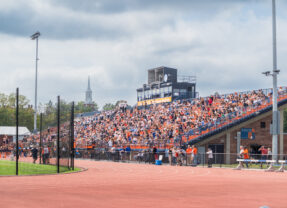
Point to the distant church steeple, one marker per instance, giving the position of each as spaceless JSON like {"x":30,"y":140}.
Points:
{"x":89,"y":99}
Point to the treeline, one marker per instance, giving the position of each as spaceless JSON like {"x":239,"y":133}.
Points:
{"x":7,"y":111}
{"x":26,"y":111}
{"x":110,"y":106}
{"x":50,"y":112}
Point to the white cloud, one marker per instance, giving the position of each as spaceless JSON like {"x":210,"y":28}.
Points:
{"x":226,"y":52}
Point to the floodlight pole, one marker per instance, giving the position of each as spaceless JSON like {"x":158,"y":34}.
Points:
{"x":35,"y":36}
{"x":275,"y":91}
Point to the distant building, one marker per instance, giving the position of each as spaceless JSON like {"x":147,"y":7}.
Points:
{"x":165,"y":86}
{"x":89,"y":97}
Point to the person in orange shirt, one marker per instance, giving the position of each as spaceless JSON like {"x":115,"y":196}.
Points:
{"x":246,"y":155}
{"x":194,"y":154}
{"x":188,"y":154}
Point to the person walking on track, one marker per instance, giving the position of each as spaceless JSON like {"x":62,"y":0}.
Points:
{"x":34,"y":152}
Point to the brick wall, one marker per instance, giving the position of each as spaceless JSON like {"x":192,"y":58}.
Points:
{"x":262,"y":137}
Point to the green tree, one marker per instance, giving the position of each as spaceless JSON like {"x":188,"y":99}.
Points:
{"x":26,"y":112}
{"x":8,"y":111}
{"x":109,"y":106}
{"x":81,"y":107}
{"x":3,"y":100}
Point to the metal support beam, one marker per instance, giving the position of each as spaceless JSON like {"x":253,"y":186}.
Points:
{"x":238,"y":139}
{"x":281,"y":140}
{"x":17,"y":130}
{"x":58,"y":136}
{"x":274,"y":98}
{"x":41,"y":145}
{"x":227,"y":144}
{"x":72,"y":137}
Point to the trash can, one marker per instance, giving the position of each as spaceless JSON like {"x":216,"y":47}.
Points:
{"x":158,"y":162}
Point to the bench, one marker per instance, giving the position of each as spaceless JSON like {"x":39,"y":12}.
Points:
{"x":270,"y":162}
{"x":282,"y":162}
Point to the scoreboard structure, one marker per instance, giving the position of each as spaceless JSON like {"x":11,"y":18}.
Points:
{"x":165,"y":86}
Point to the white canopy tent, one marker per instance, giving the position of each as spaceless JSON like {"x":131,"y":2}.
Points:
{"x":11,"y":131}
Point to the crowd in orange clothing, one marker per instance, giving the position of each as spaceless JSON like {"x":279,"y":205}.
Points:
{"x":167,"y":123}
{"x":162,"y":125}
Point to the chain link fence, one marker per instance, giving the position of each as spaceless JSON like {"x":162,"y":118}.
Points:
{"x":147,"y":156}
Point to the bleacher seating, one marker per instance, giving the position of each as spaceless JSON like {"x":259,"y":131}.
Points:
{"x":168,"y":124}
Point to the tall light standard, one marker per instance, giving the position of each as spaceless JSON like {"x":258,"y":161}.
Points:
{"x":35,"y":36}
{"x":275,"y":119}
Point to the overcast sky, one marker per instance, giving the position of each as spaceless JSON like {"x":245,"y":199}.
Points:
{"x":226,"y":44}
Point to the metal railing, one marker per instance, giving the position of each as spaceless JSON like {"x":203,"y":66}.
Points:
{"x":257,"y":161}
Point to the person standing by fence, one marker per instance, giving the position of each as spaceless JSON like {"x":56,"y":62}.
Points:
{"x":182,"y":155}
{"x":174,"y":156}
{"x":188,"y":155}
{"x":210,"y":157}
{"x":166,"y":154}
{"x":46,"y":155}
{"x":128,"y":152}
{"x":240,"y":156}
{"x":246,"y":155}
{"x":269,"y":153}
{"x":264,"y":153}
{"x":155,"y":155}
{"x":194,"y":153}
{"x":178,"y":158}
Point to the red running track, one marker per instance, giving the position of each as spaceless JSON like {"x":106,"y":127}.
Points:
{"x":108,"y":184}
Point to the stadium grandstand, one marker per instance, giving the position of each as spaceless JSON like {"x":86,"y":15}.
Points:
{"x":193,"y":121}
{"x":208,"y":122}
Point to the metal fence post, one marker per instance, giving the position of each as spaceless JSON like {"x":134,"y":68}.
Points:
{"x":72,"y":137}
{"x":17,"y":128}
{"x":186,"y":155}
{"x":40,"y":148}
{"x":58,"y":136}
{"x":203,"y":159}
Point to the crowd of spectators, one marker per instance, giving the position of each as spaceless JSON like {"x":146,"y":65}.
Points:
{"x":162,"y":125}
{"x":29,"y":145}
{"x":166,"y":123}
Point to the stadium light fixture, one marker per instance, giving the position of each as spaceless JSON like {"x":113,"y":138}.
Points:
{"x":267,"y":73}
{"x":36,"y":36}
{"x":276,"y":71}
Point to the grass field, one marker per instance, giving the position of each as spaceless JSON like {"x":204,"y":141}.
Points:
{"x":9,"y":168}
